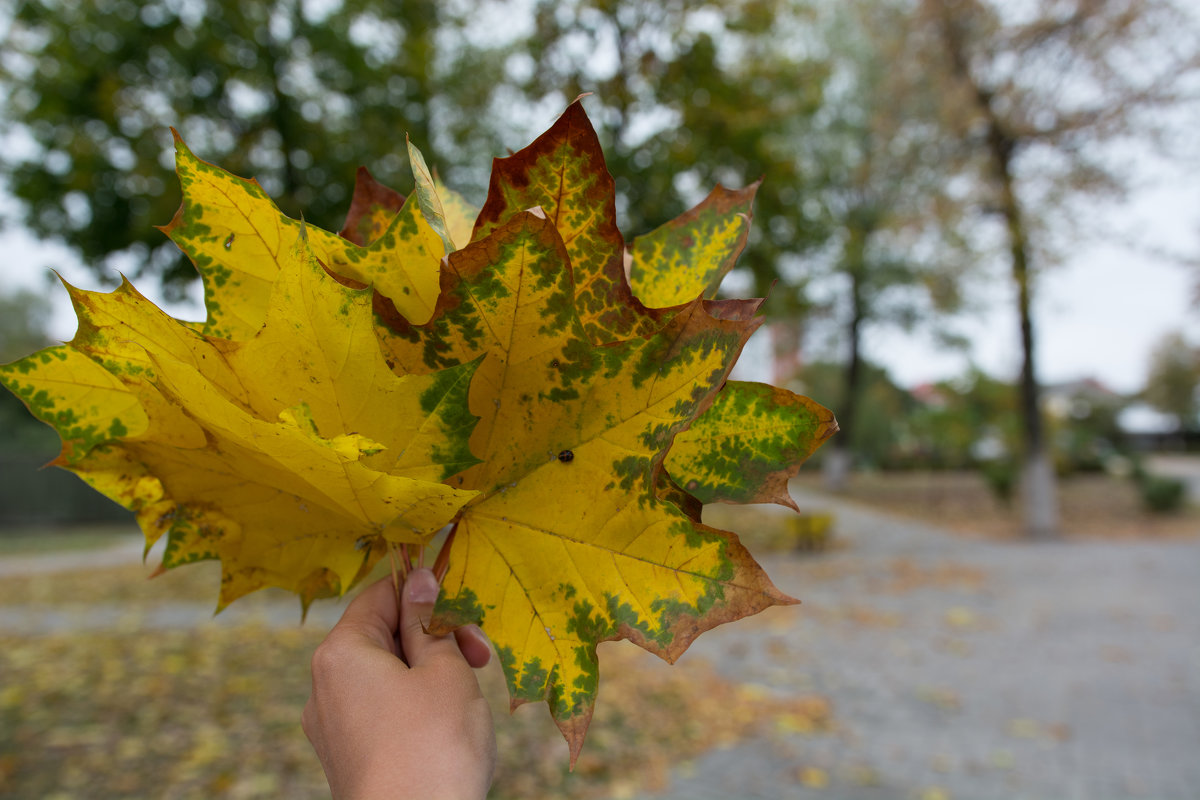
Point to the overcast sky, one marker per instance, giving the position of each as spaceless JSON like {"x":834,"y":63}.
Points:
{"x":1098,"y":315}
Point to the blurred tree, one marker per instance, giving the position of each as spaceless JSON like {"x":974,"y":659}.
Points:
{"x":24,"y":318}
{"x":965,"y":422}
{"x":1173,"y":382}
{"x":690,"y":95}
{"x":23,"y":321}
{"x":881,"y":439}
{"x":1033,"y":92}
{"x":896,"y":254}
{"x":296,"y":93}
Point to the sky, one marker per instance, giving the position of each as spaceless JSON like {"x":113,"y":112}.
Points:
{"x":1098,"y":315}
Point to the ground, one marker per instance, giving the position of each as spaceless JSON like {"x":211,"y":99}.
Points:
{"x":926,"y":662}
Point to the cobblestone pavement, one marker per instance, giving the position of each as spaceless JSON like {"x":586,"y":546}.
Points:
{"x":970,"y":670}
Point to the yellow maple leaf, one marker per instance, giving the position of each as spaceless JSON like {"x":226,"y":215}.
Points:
{"x":292,"y":456}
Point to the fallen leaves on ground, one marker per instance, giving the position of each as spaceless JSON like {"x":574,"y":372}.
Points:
{"x":200,"y":713}
{"x":215,"y":711}
{"x":905,"y":575}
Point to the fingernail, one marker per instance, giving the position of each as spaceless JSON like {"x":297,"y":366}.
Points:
{"x":421,"y":587}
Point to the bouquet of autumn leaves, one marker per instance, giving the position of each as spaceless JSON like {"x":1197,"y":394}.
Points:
{"x":519,"y":375}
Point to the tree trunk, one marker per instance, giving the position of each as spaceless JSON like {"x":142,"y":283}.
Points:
{"x":837,"y":463}
{"x":1039,"y":496}
{"x":1038,"y":481}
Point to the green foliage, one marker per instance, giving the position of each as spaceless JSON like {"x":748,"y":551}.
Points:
{"x":1173,"y":382}
{"x":297,"y":94}
{"x":1001,"y":477}
{"x":1161,"y":494}
{"x":881,"y":437}
{"x":23,"y":319}
{"x":965,"y":421}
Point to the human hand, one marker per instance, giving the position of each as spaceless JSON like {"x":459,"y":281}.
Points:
{"x":395,"y":712}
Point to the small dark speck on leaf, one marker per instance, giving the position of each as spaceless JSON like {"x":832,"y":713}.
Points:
{"x":566,"y":456}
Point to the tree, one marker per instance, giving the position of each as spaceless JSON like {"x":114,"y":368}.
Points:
{"x":297,"y":94}
{"x":24,"y":316}
{"x":1173,"y":382}
{"x":23,"y":320}
{"x":895,"y":253}
{"x":879,"y":439}
{"x":1034,"y":94}
{"x":966,"y":421}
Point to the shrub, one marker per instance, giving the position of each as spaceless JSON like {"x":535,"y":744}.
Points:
{"x":1161,"y":495}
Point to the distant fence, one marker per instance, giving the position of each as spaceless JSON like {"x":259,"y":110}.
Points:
{"x":33,"y":494}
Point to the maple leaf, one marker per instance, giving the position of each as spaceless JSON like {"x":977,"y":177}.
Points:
{"x":563,"y":173}
{"x":578,"y":535}
{"x":499,"y":373}
{"x":688,"y":256}
{"x":236,"y":237}
{"x":290,"y":456}
{"x":747,"y":445}
{"x":372,"y":208}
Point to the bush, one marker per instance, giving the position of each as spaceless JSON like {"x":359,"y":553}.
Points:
{"x":1161,"y":495}
{"x":1001,"y":477}
{"x":810,"y":532}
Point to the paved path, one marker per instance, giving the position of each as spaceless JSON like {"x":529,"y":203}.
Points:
{"x":970,"y":670}
{"x":128,"y":551}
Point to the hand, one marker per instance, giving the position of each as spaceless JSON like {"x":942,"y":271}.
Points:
{"x":400,"y":715}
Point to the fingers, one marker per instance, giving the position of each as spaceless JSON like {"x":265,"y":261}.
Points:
{"x":372,"y":614}
{"x":473,"y":644}
{"x":416,"y":609}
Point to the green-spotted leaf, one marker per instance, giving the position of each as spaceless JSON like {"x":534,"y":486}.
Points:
{"x":687,"y":257}
{"x":747,"y":445}
{"x":237,"y":237}
{"x":569,"y":543}
{"x":563,"y":173}
{"x":372,"y":207}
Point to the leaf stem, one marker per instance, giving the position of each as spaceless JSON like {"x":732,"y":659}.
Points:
{"x":396,"y":580}
{"x":442,"y":562}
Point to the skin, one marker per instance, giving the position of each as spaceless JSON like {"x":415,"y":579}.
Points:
{"x":395,"y":712}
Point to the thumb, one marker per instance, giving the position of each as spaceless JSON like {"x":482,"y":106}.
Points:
{"x":416,"y":609}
